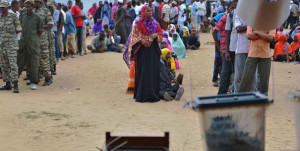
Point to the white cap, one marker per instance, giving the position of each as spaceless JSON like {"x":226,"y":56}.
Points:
{"x":166,"y":1}
{"x":120,"y":1}
{"x":128,"y":1}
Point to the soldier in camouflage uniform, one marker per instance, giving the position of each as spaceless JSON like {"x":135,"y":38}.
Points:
{"x":9,"y":28}
{"x":47,"y":20}
{"x":51,"y":38}
{"x":29,"y":53}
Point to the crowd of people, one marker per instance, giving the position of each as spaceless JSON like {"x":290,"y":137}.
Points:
{"x":154,"y":35}
{"x":35,"y":35}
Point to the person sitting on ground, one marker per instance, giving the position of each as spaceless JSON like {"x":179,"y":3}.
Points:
{"x":110,"y":42}
{"x":166,"y":44}
{"x":116,"y":38}
{"x":194,"y":43}
{"x":171,"y":30}
{"x":280,"y":49}
{"x":167,"y":58}
{"x":91,"y":22}
{"x":292,"y":53}
{"x":281,"y":31}
{"x":97,"y":27}
{"x":185,"y":35}
{"x":98,"y":44}
{"x":178,"y":30}
{"x":205,"y":26}
{"x":178,"y":46}
{"x":168,"y":91}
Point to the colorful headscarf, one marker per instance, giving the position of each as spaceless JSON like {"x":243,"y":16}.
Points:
{"x":178,"y":46}
{"x":279,"y":50}
{"x":294,"y":45}
{"x":164,"y":52}
{"x":114,"y":9}
{"x":148,"y":26}
{"x":168,"y":44}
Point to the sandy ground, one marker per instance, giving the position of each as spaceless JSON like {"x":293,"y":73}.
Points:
{"x":88,"y":98}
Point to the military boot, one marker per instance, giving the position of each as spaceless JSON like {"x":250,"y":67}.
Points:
{"x":16,"y":88}
{"x":7,"y":86}
{"x":54,"y":70}
{"x":48,"y":82}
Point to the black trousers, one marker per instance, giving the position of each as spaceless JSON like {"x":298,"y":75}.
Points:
{"x":185,"y":42}
{"x":171,"y":91}
{"x":217,"y":65}
{"x":281,"y":58}
{"x":227,"y":70}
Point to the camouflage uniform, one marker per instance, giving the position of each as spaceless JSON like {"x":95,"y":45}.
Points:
{"x":22,"y":13}
{"x":51,"y":38}
{"x":46,"y":17}
{"x":9,"y":47}
{"x":29,"y":53}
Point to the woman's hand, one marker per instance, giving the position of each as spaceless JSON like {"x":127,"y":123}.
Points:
{"x":146,"y":43}
{"x":153,"y":36}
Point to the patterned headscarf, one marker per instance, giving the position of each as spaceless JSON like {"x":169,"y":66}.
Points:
{"x":148,"y":26}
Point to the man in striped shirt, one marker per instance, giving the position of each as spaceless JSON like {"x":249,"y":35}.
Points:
{"x":220,"y":27}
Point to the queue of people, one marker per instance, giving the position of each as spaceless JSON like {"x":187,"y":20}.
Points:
{"x":154,"y":33}
{"x":36,"y":34}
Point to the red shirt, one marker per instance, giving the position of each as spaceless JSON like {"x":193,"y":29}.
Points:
{"x":160,"y":9}
{"x":92,"y":10}
{"x":221,"y":28}
{"x":76,"y":11}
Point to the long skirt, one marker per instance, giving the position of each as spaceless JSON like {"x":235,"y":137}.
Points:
{"x":147,"y":81}
{"x":130,"y":89}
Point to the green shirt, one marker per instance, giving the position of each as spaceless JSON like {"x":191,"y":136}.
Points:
{"x":31,"y":26}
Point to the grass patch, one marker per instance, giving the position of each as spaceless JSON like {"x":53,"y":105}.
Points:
{"x":55,"y":114}
{"x":84,"y":124}
{"x":57,"y":119}
{"x":30,"y":112}
{"x":32,"y":117}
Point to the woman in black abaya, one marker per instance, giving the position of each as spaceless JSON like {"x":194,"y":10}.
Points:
{"x":146,"y":36}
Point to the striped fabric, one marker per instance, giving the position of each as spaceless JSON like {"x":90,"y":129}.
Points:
{"x":221,"y":28}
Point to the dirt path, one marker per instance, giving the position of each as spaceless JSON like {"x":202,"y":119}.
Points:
{"x":88,"y":98}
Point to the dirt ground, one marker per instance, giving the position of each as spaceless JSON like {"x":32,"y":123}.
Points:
{"x":88,"y":98}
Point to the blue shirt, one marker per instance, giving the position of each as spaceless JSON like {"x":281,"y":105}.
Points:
{"x":217,"y":18}
{"x":70,"y":27}
{"x":55,"y":19}
{"x":188,"y":2}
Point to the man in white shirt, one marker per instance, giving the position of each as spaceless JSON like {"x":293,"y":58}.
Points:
{"x":155,"y":3}
{"x":138,"y":8}
{"x":201,"y":11}
{"x":182,"y":14}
